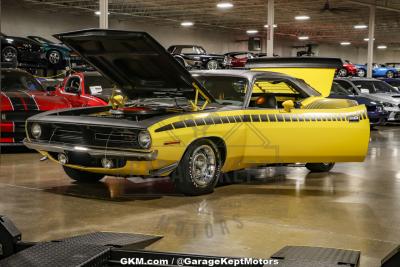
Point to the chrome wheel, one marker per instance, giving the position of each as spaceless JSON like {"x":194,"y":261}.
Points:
{"x":361,"y":73}
{"x":9,"y":54}
{"x":390,"y":74}
{"x":203,"y":165}
{"x":342,"y":73}
{"x":212,"y":65}
{"x":54,"y":57}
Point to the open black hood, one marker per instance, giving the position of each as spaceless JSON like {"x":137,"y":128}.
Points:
{"x":134,"y":61}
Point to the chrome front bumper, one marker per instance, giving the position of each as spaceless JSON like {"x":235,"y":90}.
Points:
{"x":94,"y":152}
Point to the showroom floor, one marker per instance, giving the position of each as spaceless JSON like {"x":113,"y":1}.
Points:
{"x":353,"y":207}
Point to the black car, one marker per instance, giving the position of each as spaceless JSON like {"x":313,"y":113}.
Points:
{"x":19,"y":49}
{"x":193,"y":56}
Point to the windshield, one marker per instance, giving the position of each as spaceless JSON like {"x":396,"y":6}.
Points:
{"x":96,"y":85}
{"x":337,"y":89}
{"x":226,"y":90}
{"x":375,"y":87}
{"x":395,"y":83}
{"x":16,"y":80}
{"x":42,"y":40}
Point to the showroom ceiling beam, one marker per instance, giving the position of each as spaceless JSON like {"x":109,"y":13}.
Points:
{"x":103,"y":17}
{"x":371,"y":37}
{"x":270,"y":30}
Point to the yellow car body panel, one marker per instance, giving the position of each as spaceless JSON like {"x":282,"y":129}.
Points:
{"x":254,"y":137}
{"x":318,"y":78}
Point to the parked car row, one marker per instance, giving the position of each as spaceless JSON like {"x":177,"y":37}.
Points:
{"x":36,"y":50}
{"x":388,"y":70}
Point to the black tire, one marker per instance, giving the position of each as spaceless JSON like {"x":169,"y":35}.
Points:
{"x":361,"y":73}
{"x":82,"y":176}
{"x":9,"y":54}
{"x":342,"y":72}
{"x":320,"y":167}
{"x":184,"y":178}
{"x":389,"y":74}
{"x":212,"y":65}
{"x":54,"y":57}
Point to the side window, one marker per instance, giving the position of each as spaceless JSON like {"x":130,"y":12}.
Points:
{"x":346,"y":85}
{"x":73,"y":85}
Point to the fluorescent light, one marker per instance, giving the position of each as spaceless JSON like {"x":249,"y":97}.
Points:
{"x":98,"y":13}
{"x":187,"y":23}
{"x":303,"y":37}
{"x":381,"y":46}
{"x":224,"y":5}
{"x":302,"y":17}
{"x":252,"y":31}
{"x":80,"y":148}
{"x":266,"y":26}
{"x":345,"y":43}
{"x":360,"y":26}
{"x":367,"y":39}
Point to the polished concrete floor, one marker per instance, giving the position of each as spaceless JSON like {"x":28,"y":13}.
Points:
{"x":356,"y":206}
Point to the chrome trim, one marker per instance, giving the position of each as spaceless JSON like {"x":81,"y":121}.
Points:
{"x":60,"y":148}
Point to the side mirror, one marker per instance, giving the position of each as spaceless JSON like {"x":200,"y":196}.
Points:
{"x":50,"y":88}
{"x":288,"y":105}
{"x":364,"y":91}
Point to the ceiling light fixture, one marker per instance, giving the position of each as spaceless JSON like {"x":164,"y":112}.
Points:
{"x":302,"y":17}
{"x":382,"y":47}
{"x":360,"y":26}
{"x":303,"y":38}
{"x":224,"y":5}
{"x":187,"y":23}
{"x":367,"y":39}
{"x":266,"y":26}
{"x":345,"y":43}
{"x":98,"y":13}
{"x":251,"y":31}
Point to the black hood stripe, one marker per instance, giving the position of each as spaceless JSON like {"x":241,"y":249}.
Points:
{"x":21,"y":100}
{"x":29,"y":101}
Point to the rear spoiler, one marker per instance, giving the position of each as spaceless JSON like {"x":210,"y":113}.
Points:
{"x":316,"y":71}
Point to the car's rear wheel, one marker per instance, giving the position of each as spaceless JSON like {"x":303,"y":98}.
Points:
{"x":82,"y":176}
{"x":342,"y":72}
{"x":361,"y":73}
{"x":212,"y":65}
{"x":9,"y":54}
{"x":54,"y":57}
{"x":389,"y":74}
{"x":320,"y":167}
{"x":199,"y":169}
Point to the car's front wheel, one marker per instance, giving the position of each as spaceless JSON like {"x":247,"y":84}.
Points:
{"x":82,"y":176}
{"x":389,"y":74}
{"x":212,"y":65}
{"x":9,"y":54}
{"x":199,"y":169}
{"x":320,"y":167}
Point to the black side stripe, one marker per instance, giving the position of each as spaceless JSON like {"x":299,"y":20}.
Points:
{"x":308,"y":117}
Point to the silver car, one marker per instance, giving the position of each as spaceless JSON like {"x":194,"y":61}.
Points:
{"x":376,"y":90}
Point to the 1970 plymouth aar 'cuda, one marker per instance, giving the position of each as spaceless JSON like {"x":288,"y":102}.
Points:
{"x":171,"y":125}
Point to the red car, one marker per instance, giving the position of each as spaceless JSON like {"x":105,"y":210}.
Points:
{"x":85,"y":89}
{"x":239,"y":59}
{"x":23,"y":96}
{"x":348,"y":69}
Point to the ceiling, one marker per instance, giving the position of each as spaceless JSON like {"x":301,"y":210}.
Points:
{"x":322,"y":27}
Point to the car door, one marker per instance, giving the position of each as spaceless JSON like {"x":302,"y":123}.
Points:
{"x":308,"y":134}
{"x":72,"y":91}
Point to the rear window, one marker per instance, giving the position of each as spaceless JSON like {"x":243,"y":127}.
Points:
{"x":16,"y":80}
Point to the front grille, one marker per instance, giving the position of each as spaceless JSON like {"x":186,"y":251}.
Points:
{"x":90,"y":135}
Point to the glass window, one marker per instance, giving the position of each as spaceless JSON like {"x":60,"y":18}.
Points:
{"x":382,"y":87}
{"x":16,"y":80}
{"x":338,"y":90}
{"x":346,"y":85}
{"x":226,"y":90}
{"x":96,"y":82}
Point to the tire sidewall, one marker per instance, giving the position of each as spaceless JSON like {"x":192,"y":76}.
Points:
{"x":9,"y":47}
{"x":344,"y":72}
{"x":389,"y":74}
{"x":59,"y":55}
{"x":208,"y":62}
{"x":183,"y":177}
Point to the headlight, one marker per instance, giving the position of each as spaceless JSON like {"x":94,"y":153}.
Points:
{"x":36,"y":130}
{"x":144,"y":139}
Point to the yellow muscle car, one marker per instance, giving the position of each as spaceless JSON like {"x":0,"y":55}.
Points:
{"x":194,"y":127}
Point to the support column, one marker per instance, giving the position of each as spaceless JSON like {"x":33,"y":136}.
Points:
{"x":270,"y":30}
{"x":103,"y":14}
{"x":371,"y":36}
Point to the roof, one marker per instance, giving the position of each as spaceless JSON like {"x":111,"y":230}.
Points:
{"x":357,"y":79}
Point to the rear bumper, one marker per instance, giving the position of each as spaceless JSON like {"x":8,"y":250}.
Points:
{"x":93,"y":152}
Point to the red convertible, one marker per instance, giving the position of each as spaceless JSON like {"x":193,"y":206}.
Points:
{"x":23,"y":96}
{"x":84,"y":89}
{"x":239,"y":59}
{"x":348,"y":69}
